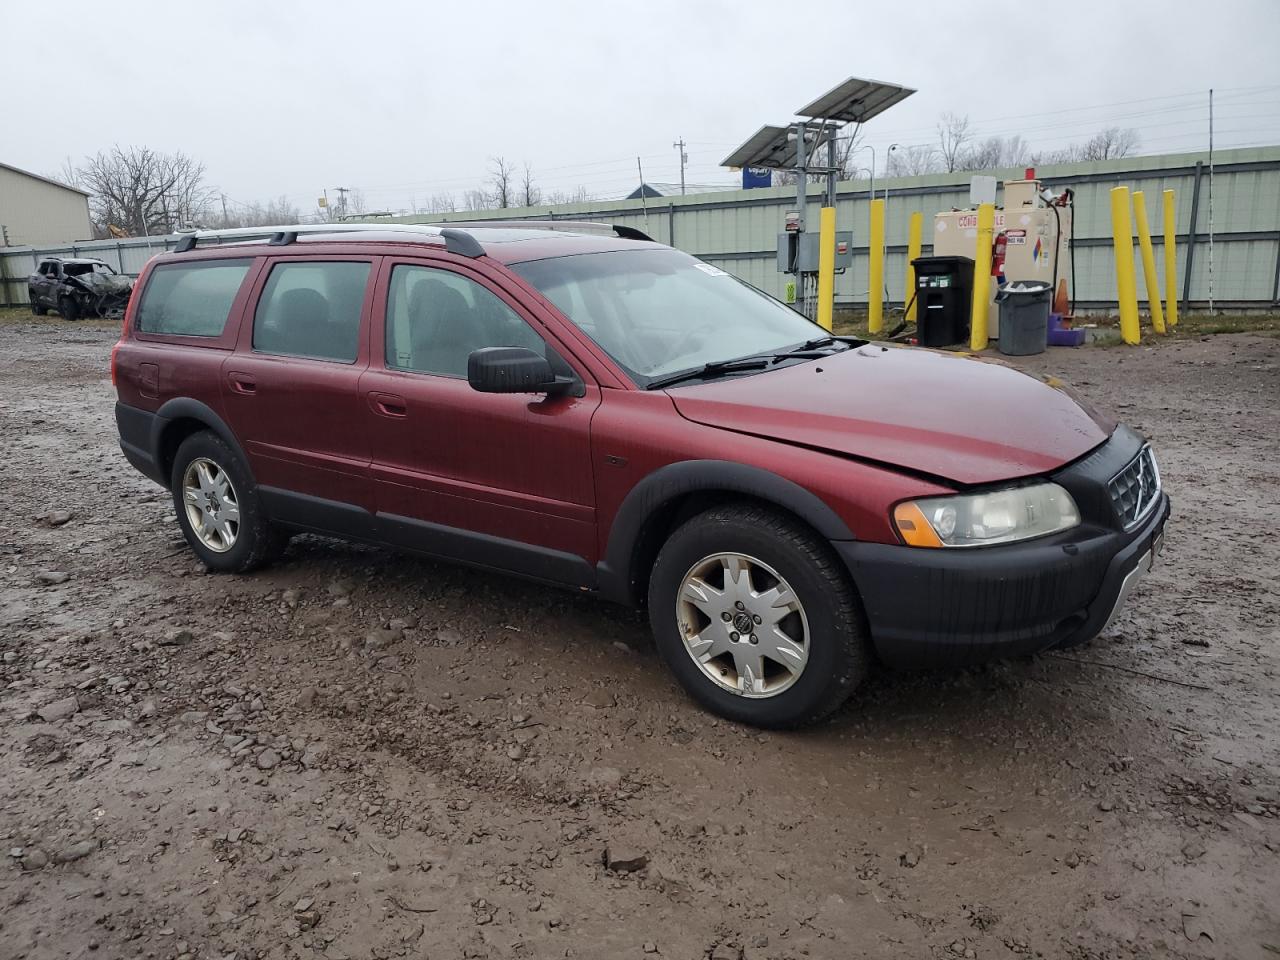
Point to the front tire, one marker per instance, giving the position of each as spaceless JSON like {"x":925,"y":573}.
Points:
{"x":757,"y":618}
{"x":218,"y":507}
{"x":36,"y":308}
{"x":68,"y":308}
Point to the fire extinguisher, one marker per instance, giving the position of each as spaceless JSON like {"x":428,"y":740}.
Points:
{"x":997,"y":254}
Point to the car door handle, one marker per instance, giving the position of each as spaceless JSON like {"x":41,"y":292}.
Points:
{"x":242,"y":383}
{"x":388,"y":405}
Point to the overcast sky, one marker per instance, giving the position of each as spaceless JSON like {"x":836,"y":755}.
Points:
{"x":403,"y":100}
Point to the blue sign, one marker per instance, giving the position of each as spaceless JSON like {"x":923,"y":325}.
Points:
{"x":753,"y":177}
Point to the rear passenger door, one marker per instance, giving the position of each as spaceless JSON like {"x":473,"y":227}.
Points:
{"x":291,"y":391}
{"x":503,"y":480}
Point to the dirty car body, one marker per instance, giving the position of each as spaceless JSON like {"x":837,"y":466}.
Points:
{"x":611,"y":415}
{"x":79,"y":287}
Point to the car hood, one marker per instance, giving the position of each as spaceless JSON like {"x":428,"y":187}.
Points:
{"x":960,"y":418}
{"x":103,"y":283}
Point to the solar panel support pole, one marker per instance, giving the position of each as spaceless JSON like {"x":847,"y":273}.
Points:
{"x":802,"y":178}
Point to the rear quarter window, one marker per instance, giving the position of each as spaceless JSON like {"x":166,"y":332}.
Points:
{"x":191,"y":299}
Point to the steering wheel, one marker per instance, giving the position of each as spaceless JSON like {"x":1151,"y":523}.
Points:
{"x":688,"y":338}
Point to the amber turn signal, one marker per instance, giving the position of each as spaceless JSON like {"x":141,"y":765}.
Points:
{"x":912,"y":526}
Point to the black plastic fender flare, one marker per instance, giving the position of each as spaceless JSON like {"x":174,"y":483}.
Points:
{"x":616,"y":576}
{"x":187,"y":408}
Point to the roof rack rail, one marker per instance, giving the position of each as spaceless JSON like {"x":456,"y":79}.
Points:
{"x":456,"y":234}
{"x":571,"y":226}
{"x":455,"y":241}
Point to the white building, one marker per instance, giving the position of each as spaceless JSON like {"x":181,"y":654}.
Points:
{"x":36,"y":211}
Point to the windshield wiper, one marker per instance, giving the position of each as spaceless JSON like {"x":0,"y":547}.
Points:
{"x":814,"y":348}
{"x":708,"y":370}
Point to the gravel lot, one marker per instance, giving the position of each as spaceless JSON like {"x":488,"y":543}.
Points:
{"x":357,"y":754}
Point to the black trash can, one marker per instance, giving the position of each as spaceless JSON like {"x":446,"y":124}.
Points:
{"x":1024,"y":317}
{"x":944,"y":294}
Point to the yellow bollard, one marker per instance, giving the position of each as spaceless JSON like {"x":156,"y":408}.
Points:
{"x":1170,"y":259}
{"x":875,"y":270}
{"x":913,"y":252}
{"x":1148,"y":261}
{"x":826,"y":266}
{"x":1126,"y":282}
{"x":982,"y":277}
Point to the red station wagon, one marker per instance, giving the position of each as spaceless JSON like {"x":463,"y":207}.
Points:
{"x":598,"y":411}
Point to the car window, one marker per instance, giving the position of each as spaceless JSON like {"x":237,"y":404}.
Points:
{"x":312,"y":310}
{"x":78,"y":269}
{"x":191,"y":299}
{"x":659,"y":311}
{"x":435,"y":319}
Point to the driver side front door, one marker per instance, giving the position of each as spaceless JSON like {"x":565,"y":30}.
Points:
{"x":499,"y":480}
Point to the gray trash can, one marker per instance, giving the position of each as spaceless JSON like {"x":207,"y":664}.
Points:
{"x":1024,"y":317}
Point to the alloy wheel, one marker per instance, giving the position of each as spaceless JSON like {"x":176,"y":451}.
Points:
{"x":213,"y":508}
{"x":743,"y":625}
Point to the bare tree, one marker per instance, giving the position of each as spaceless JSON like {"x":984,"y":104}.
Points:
{"x":530,"y":192}
{"x":1110,"y":143}
{"x":1106,"y":144}
{"x":502,"y":182}
{"x":280,"y":210}
{"x":441,"y":203}
{"x":954,"y":135}
{"x":477,"y":200}
{"x":140,"y":190}
{"x":578,"y":195}
{"x":914,"y":161}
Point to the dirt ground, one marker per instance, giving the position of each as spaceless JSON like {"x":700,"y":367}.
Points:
{"x":356,"y":754}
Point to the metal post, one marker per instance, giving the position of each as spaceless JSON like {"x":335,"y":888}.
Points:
{"x":1191,"y":232}
{"x":826,"y":265}
{"x":1126,"y":282}
{"x":802,"y":200}
{"x":831,"y":166}
{"x":671,"y":224}
{"x":1275,"y":284}
{"x":875,"y":269}
{"x":1151,"y":283}
{"x":914,"y":237}
{"x":981,"y":277}
{"x":1171,"y":259}
{"x":802,"y":177}
{"x":1211,"y":200}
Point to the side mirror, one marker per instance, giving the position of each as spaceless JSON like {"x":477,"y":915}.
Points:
{"x":513,"y":370}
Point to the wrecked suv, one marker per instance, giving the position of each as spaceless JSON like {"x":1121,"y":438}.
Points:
{"x":78,"y":288}
{"x":610,"y":415}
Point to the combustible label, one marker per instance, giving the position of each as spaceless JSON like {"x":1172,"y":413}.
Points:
{"x":967,"y":221}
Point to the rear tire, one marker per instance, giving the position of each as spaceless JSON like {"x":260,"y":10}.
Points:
{"x":218,"y":507}
{"x":68,"y":308}
{"x":807,"y":650}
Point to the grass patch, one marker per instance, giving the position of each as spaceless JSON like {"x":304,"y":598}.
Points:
{"x":13,"y":316}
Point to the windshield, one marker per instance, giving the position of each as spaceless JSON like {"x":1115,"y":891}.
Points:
{"x":80,"y":269}
{"x":656,"y":312}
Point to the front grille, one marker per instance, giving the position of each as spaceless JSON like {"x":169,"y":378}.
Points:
{"x":1135,"y":489}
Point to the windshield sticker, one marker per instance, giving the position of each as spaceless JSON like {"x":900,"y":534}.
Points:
{"x":710,"y":271}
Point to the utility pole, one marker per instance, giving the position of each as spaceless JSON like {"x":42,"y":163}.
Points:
{"x":1211,"y":199}
{"x":224,"y":210}
{"x":342,"y":201}
{"x":684,"y":158}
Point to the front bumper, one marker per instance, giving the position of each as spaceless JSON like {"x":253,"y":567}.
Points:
{"x":937,"y":608}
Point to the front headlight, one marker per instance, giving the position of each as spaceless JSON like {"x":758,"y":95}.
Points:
{"x":981,"y":519}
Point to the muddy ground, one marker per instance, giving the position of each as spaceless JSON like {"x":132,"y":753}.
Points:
{"x":356,"y":754}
